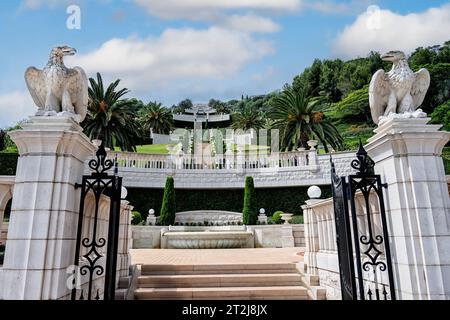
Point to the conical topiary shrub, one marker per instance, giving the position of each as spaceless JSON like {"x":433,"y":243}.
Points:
{"x":250,"y":211}
{"x":168,"y":207}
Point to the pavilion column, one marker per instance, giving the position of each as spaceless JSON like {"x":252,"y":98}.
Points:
{"x":407,"y":153}
{"x":43,"y":223}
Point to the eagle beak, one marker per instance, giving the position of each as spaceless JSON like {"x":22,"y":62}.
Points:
{"x":68,"y":51}
{"x":387,"y":57}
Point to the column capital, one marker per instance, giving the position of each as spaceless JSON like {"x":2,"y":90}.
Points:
{"x":399,"y":137}
{"x":53,"y":135}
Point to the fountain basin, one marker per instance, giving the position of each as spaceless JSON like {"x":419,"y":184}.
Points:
{"x":207,"y":239}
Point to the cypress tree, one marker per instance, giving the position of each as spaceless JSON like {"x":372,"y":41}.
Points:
{"x":168,"y":207}
{"x":249,"y":213}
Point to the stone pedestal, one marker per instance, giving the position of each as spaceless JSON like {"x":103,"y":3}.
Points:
{"x":262,"y":218}
{"x":43,"y":224}
{"x":407,"y":153}
{"x":151,"y":220}
{"x":287,"y":237}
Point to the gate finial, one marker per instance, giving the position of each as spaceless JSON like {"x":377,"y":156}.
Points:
{"x":363,"y":164}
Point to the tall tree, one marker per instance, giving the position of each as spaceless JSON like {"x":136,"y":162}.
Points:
{"x":250,"y":211}
{"x":297,"y":117}
{"x":219,"y":106}
{"x":168,"y":208}
{"x":329,"y":79}
{"x":156,"y":117}
{"x":183,"y":105}
{"x":109,"y":118}
{"x":309,"y":80}
{"x":2,"y":140}
{"x":248,"y":118}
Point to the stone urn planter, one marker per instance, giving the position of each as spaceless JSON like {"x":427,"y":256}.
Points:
{"x":286,"y":217}
{"x":313,"y":144}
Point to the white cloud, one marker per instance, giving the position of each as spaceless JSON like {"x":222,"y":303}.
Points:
{"x":177,"y":54}
{"x":250,"y":23}
{"x":384,"y":30}
{"x":14,"y":107}
{"x":201,"y":9}
{"x":335,"y":7}
{"x":37,"y":4}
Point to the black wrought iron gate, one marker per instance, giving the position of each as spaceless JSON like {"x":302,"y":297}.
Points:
{"x":90,"y":242}
{"x":362,"y":242}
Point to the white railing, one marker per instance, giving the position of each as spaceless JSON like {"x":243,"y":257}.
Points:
{"x":217,"y":162}
{"x":202,"y":118}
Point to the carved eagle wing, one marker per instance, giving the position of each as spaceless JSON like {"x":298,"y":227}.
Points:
{"x":77,"y":85}
{"x":420,"y":86}
{"x":378,"y":94}
{"x":36,"y":85}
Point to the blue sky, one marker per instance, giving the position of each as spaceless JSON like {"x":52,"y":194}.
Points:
{"x":168,"y":50}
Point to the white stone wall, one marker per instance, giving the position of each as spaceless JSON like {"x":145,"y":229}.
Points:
{"x":265,"y":236}
{"x":212,"y":216}
{"x":298,"y":232}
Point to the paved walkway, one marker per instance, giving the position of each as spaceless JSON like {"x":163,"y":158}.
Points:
{"x":216,"y":256}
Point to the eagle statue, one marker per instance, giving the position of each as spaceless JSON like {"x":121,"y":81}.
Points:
{"x":58,"y":90}
{"x":399,"y":91}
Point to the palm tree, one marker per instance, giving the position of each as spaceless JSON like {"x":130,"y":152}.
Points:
{"x":248,"y":118}
{"x":155,"y":116}
{"x":109,"y":118}
{"x":297,"y":117}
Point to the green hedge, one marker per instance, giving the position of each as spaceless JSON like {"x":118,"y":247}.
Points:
{"x":168,"y":207}
{"x":8,"y":163}
{"x":271,"y":199}
{"x":250,"y":211}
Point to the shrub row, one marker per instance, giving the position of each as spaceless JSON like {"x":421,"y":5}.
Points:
{"x":288,"y":200}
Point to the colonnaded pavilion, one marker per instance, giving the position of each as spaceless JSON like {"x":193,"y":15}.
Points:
{"x":376,"y":221}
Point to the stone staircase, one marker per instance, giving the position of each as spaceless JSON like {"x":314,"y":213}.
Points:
{"x":223,"y":282}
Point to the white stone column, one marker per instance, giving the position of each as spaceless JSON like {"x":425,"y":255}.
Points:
{"x":43,"y":223}
{"x":125,"y":239}
{"x":311,"y":236}
{"x":407,"y":153}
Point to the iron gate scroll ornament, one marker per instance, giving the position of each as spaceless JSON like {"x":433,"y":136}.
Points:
{"x":99,"y":183}
{"x":375,"y":255}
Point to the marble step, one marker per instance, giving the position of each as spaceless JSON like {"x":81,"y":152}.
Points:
{"x":220,"y":280}
{"x":218,"y":268}
{"x":223,"y":293}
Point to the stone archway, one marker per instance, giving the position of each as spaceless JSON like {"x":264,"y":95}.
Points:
{"x":6,"y":194}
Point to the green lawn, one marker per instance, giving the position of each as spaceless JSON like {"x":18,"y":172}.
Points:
{"x":151,"y":148}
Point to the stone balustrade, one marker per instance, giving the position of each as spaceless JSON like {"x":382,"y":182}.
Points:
{"x":218,"y":162}
{"x":284,"y":169}
{"x":201,"y":118}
